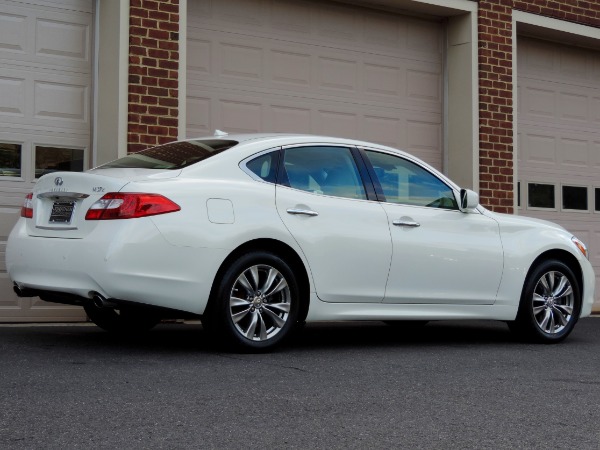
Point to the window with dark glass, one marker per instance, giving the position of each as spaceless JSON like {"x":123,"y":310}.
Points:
{"x":575,"y":197}
{"x":323,"y":170}
{"x":540,"y":195}
{"x":597,"y":191}
{"x":54,"y":159}
{"x":173,"y":156}
{"x":265,"y":166}
{"x":519,"y":194}
{"x":10,"y":160}
{"x":405,"y":182}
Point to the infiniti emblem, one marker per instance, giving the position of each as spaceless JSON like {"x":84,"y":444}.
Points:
{"x":58,"y":181}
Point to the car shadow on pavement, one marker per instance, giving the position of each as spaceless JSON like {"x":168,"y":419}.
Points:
{"x":327,"y":335}
{"x":191,"y":338}
{"x":378,"y":334}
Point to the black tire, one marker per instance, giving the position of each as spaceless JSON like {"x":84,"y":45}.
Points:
{"x":550,"y":304}
{"x":256,"y":303}
{"x":126,"y":320}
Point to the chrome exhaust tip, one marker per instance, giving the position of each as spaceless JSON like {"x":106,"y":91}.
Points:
{"x":22,"y":292}
{"x":100,"y":302}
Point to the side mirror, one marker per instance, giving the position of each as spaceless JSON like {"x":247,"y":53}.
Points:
{"x":469,"y":200}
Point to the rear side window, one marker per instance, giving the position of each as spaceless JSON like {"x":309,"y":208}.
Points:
{"x":265,"y":166}
{"x":173,"y":156}
{"x":323,"y":170}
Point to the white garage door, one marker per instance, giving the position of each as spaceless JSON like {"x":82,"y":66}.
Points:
{"x":45,"y":92}
{"x":559,"y":138}
{"x":315,"y":67}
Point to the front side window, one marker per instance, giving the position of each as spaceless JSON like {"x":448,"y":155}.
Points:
{"x":323,"y":170}
{"x":173,"y":156}
{"x":407,"y":183}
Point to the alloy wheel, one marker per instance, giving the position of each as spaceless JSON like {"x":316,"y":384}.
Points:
{"x":260,"y":302}
{"x":553,"y":302}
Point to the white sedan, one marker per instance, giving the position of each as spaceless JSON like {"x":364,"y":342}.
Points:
{"x":258,"y":233}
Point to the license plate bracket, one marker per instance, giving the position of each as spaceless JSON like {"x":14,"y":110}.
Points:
{"x":62,"y":212}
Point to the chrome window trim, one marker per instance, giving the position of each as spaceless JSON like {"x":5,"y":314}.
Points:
{"x":242,"y":165}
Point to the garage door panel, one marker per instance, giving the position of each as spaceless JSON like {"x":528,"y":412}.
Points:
{"x":42,"y":37}
{"x":290,"y":68}
{"x":596,"y":109}
{"x":548,"y":61}
{"x":595,"y":156}
{"x":59,"y":37}
{"x":423,"y":85}
{"x":414,"y":39}
{"x":199,"y":112}
{"x":557,"y":105}
{"x":13,"y":32}
{"x":290,"y":119}
{"x":241,"y":116}
{"x":574,"y":107}
{"x":43,"y":100}
{"x":45,"y":84}
{"x":595,"y":251}
{"x":12,"y":96}
{"x":575,"y":153}
{"x":314,"y":70}
{"x":554,"y":150}
{"x":559,"y":135}
{"x":387,"y":130}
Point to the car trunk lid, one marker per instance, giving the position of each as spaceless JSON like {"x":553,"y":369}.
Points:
{"x":61,"y":200}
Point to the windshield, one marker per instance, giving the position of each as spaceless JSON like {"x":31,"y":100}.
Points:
{"x":175,"y":155}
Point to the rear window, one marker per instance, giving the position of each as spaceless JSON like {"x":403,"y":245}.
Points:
{"x":175,"y":155}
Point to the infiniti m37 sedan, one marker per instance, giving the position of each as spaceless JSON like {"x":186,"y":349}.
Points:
{"x":258,"y":233}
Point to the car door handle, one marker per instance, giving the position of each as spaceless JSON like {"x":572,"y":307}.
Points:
{"x":406,"y":223}
{"x":304,"y":212}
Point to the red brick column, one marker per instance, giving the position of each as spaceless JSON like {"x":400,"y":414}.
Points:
{"x":496,"y":162}
{"x":153,"y":73}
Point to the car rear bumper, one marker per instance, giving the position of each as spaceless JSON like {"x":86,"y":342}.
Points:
{"x":127,"y":261}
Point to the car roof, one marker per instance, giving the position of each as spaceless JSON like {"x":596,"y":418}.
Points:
{"x":283,"y":138}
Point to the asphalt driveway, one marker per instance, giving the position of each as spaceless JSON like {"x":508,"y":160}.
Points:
{"x":353,"y":385}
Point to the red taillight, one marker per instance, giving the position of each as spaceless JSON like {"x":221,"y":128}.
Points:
{"x":27,"y":208}
{"x":115,"y":205}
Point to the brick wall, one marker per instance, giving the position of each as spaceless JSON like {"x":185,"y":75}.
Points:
{"x":496,"y":183}
{"x":496,"y":164}
{"x":153,"y":73}
{"x":585,"y":12}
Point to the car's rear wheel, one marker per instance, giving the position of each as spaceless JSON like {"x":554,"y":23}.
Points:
{"x":126,"y":320}
{"x":257,"y":303}
{"x":550,"y":303}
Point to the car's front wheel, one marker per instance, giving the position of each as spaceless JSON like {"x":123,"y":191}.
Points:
{"x":257,"y":303}
{"x":550,"y":303}
{"x":127,"y":320}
